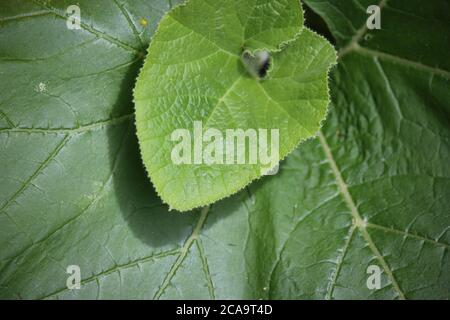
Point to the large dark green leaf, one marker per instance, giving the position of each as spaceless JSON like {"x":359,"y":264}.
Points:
{"x":372,"y":189}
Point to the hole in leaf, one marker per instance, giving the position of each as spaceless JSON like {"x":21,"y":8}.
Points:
{"x":258,"y":64}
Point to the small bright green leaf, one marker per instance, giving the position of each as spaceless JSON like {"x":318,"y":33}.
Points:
{"x":194,"y":72}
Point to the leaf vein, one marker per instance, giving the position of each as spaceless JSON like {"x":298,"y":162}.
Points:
{"x":357,"y":220}
{"x":128,"y":265}
{"x":183,"y":253}
{"x":407,"y":234}
{"x":89,"y":29}
{"x":340,"y":261}
{"x":41,"y":167}
{"x":70,"y":131}
{"x":206,"y":269}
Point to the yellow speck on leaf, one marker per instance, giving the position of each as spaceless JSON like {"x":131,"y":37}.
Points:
{"x":143,"y":22}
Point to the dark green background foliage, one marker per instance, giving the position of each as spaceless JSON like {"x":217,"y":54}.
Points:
{"x":372,"y":189}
